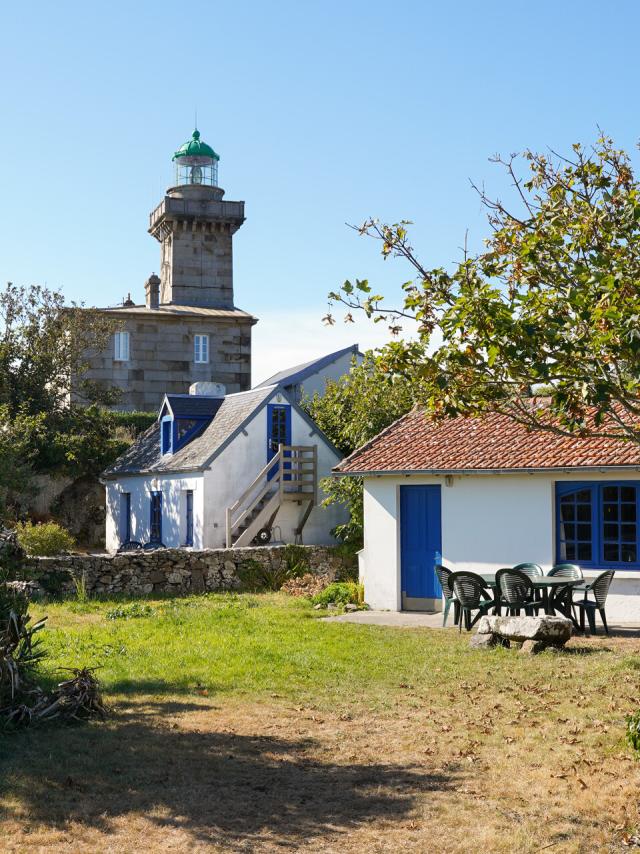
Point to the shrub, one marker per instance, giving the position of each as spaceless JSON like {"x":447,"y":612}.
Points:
{"x":255,"y":576}
{"x":633,"y":732}
{"x":340,"y":593}
{"x":47,"y":538}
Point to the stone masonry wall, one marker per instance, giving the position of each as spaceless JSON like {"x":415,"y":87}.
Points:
{"x":175,"y":571}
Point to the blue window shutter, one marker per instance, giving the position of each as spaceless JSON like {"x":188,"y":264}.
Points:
{"x":155,"y":522}
{"x":166,"y":435}
{"x":125,"y":516}
{"x":189,"y":526}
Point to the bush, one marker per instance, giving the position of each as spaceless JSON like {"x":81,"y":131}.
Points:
{"x":340,"y":593}
{"x":254,"y":576}
{"x":46,"y":538}
{"x":633,"y":732}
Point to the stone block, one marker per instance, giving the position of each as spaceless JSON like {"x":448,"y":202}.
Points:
{"x":483,"y":641}
{"x":552,"y":630}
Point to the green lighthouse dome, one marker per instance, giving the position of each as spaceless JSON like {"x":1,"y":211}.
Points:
{"x":196,"y":163}
{"x":195,"y":150}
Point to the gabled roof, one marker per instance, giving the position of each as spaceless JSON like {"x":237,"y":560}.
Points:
{"x":230,"y":417}
{"x":191,"y":405}
{"x":489,"y":443}
{"x":299,"y":373}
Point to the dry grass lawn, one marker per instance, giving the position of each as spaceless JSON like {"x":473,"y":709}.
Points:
{"x":258,"y":728}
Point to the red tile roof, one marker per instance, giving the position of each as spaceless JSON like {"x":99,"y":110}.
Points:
{"x":487,"y":443}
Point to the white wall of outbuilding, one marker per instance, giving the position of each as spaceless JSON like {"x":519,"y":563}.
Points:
{"x":488,"y":521}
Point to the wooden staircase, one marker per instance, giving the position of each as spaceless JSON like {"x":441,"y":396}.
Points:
{"x":295,"y":479}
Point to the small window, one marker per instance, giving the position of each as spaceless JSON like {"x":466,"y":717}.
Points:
{"x":121,"y":347}
{"x":188,"y":540}
{"x":156,"y":518}
{"x":125,"y":516}
{"x":201,"y":349}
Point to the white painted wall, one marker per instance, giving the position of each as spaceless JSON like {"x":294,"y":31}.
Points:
{"x":317,"y":382}
{"x":173,"y":488}
{"x":488,"y":521}
{"x":241,"y":461}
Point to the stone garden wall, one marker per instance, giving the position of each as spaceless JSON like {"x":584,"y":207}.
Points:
{"x":173,"y":570}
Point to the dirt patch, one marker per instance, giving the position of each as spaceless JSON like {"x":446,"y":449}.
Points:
{"x":194,"y":775}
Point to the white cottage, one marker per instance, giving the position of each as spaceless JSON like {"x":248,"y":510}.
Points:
{"x":483,"y":493}
{"x":221,"y":470}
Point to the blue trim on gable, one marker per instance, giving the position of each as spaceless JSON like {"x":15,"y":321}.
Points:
{"x":297,"y":375}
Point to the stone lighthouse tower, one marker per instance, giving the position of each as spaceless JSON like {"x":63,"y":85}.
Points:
{"x":188,"y":329}
{"x":195,"y":226}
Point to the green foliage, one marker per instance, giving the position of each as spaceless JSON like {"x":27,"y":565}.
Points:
{"x":45,"y":538}
{"x":130,"y":612}
{"x":633,"y":732}
{"x":351,"y":412}
{"x":255,"y":576}
{"x":553,"y":300}
{"x":42,"y":341}
{"x":296,"y":560}
{"x":12,"y":600}
{"x":358,"y":406}
{"x":340,"y":593}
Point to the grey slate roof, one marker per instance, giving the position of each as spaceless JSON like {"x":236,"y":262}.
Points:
{"x":144,"y":455}
{"x":194,"y":405}
{"x":299,"y":373}
{"x":179,"y":310}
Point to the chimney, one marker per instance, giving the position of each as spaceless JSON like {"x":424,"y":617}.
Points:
{"x":152,"y":291}
{"x":207,"y":389}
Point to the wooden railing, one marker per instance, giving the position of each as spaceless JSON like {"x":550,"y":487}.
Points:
{"x":295,"y":479}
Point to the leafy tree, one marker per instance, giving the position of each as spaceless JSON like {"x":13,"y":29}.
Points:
{"x":43,"y":343}
{"x":351,"y":412}
{"x":553,"y":300}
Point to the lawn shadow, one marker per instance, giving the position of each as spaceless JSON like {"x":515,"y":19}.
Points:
{"x":239,"y":790}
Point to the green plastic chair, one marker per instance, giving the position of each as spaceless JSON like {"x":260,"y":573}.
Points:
{"x":472,"y":593}
{"x":600,"y":589}
{"x":516,"y":591}
{"x":444,"y":577}
{"x":533,"y":571}
{"x":562,"y":598}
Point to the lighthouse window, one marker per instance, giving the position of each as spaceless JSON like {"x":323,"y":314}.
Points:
{"x":121,"y":347}
{"x":201,"y":349}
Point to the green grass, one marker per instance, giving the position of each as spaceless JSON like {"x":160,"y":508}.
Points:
{"x":232,"y":644}
{"x":252,"y":645}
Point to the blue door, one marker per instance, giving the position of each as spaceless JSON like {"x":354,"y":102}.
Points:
{"x":421,"y":547}
{"x":278,"y":431}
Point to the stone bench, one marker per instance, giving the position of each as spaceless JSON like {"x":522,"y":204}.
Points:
{"x":534,"y":633}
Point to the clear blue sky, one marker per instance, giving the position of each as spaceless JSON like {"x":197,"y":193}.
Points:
{"x":323,"y":113}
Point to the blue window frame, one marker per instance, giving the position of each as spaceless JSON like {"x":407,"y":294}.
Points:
{"x":188,"y":540}
{"x":125,"y":516}
{"x":176,"y":432}
{"x":597,"y":524}
{"x":166,"y":434}
{"x":155,"y":522}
